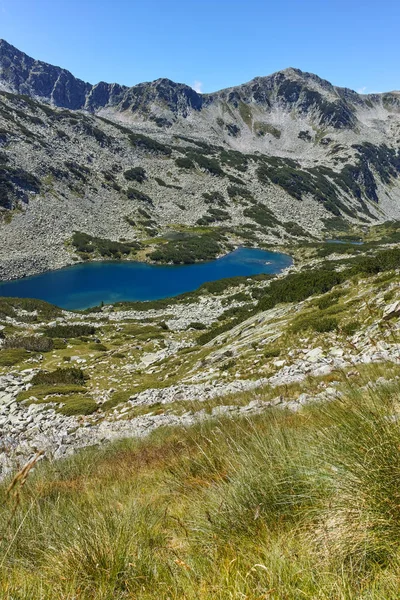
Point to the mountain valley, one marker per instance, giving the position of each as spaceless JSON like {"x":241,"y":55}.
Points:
{"x":236,"y":441}
{"x":283,"y":158}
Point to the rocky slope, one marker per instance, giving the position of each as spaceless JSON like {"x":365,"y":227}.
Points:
{"x":69,"y":380}
{"x":283,"y":157}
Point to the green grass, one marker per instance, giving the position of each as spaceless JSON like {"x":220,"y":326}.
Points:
{"x":42,"y":391}
{"x":276,"y":506}
{"x":77,"y":404}
{"x":9,"y":358}
{"x":46,"y":311}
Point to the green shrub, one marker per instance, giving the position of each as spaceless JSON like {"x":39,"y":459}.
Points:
{"x":197,"y":325}
{"x":261,"y":215}
{"x":70,"y":331}
{"x":272,"y":352}
{"x":184,"y":163}
{"x":162,"y":183}
{"x":237,"y":311}
{"x":210,"y":165}
{"x":221,"y":285}
{"x":235,"y":160}
{"x":294,"y":229}
{"x":78,"y":170}
{"x":209,"y":335}
{"x":315,"y":322}
{"x":326,"y":324}
{"x":72,"y":375}
{"x":135,"y":174}
{"x":148,"y":144}
{"x":296,"y":287}
{"x":59,"y":344}
{"x":332,"y":248}
{"x":78,"y":405}
{"x":42,"y":391}
{"x":260,"y":129}
{"x":189,"y":250}
{"x":230,"y":364}
{"x":98,"y":347}
{"x":235,"y":191}
{"x":11,"y":181}
{"x":328,"y":300}
{"x":116,"y":398}
{"x":134,"y":194}
{"x":13,"y":356}
{"x":88,"y":244}
{"x":32,"y":343}
{"x":214,"y":198}
{"x":351,"y":327}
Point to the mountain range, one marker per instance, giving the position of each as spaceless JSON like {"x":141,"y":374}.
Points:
{"x":281,"y":157}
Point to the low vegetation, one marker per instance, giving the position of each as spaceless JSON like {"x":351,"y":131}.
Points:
{"x":67,"y":376}
{"x":148,"y":144}
{"x":33,"y":343}
{"x":197,"y":247}
{"x":280,"y":505}
{"x":135,"y":174}
{"x":89,"y":246}
{"x":69,"y":331}
{"x":13,"y":356}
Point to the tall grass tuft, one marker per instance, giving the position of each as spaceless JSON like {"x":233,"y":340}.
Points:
{"x":273,"y":480}
{"x":360,"y":452}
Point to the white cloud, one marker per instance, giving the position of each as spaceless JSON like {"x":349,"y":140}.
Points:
{"x":197,"y":86}
{"x":364,"y":90}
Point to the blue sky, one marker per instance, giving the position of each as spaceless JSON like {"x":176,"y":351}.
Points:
{"x":211,"y":44}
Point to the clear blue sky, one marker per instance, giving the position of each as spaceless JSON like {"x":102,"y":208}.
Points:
{"x":216,"y":43}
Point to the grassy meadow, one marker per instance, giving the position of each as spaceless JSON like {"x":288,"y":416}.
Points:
{"x":280,"y":506}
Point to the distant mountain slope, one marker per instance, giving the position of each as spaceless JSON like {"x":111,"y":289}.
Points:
{"x":282,"y":157}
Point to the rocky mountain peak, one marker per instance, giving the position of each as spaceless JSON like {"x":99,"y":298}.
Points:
{"x":164,"y":100}
{"x":22,"y":74}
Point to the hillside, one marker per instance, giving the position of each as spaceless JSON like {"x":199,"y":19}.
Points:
{"x":281,"y":158}
{"x":237,"y":441}
{"x":126,"y":368}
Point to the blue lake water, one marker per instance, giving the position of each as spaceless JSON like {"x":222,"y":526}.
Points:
{"x":89,"y":284}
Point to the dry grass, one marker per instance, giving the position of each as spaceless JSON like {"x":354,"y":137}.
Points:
{"x":278,"y":506}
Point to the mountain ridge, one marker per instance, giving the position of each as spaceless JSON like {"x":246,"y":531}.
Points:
{"x":281,"y":157}
{"x":23,"y":74}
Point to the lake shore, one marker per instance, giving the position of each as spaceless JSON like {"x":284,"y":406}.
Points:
{"x":88,"y":284}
